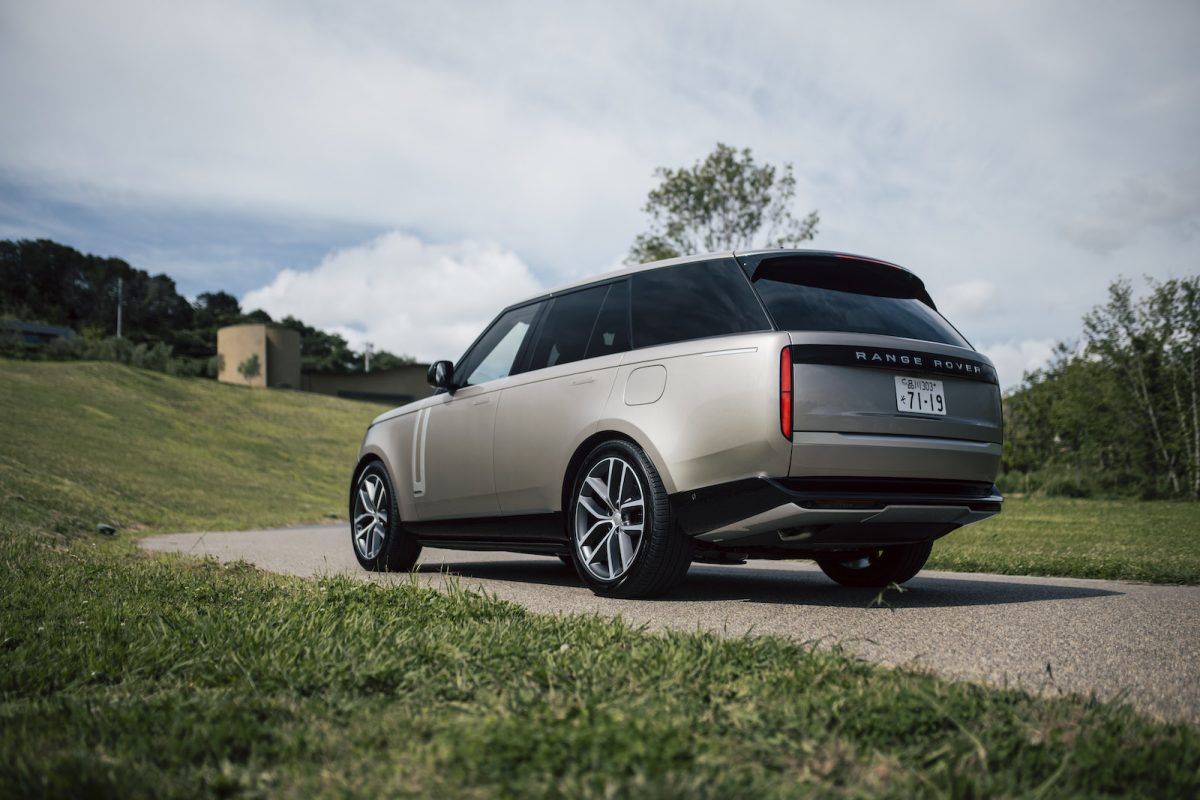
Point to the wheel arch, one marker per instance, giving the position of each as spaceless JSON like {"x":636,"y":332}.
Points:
{"x":365,"y":460}
{"x":589,"y":444}
{"x":371,"y":454}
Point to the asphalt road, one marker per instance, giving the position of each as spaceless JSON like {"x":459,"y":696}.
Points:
{"x":1135,"y":642}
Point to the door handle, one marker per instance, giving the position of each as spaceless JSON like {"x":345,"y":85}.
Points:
{"x":581,"y":381}
{"x":480,"y":401}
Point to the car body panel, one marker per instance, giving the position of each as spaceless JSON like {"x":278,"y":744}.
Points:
{"x":543,"y":417}
{"x":718,"y":415}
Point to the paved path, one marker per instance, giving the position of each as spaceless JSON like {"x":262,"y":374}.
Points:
{"x":1119,"y":640}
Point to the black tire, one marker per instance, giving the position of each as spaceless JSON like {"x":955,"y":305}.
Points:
{"x":398,"y":550}
{"x":878,"y":567}
{"x":662,"y":554}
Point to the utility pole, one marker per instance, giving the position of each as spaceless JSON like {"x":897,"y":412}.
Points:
{"x":119,"y":298}
{"x":367,"y":355}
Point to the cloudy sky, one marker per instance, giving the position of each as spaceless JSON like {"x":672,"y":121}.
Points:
{"x":398,"y":171}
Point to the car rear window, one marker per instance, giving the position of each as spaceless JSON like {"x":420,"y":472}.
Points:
{"x":693,"y":301}
{"x":850,"y":296}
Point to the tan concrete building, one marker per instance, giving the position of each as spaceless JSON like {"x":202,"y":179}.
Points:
{"x":392,"y":386}
{"x":277,"y":351}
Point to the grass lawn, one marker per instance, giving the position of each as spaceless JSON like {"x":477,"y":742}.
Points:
{"x":1158,"y":542}
{"x":131,"y":676}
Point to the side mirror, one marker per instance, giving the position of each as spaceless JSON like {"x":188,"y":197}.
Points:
{"x":441,"y":375}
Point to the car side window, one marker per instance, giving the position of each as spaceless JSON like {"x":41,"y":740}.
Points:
{"x":611,"y":332}
{"x":694,"y":301}
{"x":564,"y":332}
{"x":494,"y":355}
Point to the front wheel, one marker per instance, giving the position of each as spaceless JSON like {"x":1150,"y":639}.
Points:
{"x":624,"y":541}
{"x":380,"y":542}
{"x":876,"y":567}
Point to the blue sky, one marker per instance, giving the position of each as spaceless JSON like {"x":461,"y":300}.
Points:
{"x":399,"y":171}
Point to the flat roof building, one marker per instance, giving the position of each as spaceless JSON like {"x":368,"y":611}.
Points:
{"x":261,"y":356}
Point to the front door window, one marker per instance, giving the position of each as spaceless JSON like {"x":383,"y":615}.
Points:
{"x":495,"y":355}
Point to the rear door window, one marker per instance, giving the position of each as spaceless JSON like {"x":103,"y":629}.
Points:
{"x":611,"y":331}
{"x":694,"y":301}
{"x":564,"y":333}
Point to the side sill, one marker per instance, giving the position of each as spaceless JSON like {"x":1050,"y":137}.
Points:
{"x":518,"y":532}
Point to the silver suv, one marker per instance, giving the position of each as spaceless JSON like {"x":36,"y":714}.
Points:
{"x":771,"y":404}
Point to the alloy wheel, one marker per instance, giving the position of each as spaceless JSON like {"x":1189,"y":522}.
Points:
{"x":610,"y":518}
{"x":370,"y":516}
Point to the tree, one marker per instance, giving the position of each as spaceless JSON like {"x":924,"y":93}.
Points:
{"x":724,"y":202}
{"x":321,"y":351}
{"x":249,"y":368}
{"x":1121,"y":412}
{"x":1154,"y":343}
{"x":43,"y":281}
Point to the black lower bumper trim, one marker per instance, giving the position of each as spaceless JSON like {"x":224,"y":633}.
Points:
{"x":702,"y":510}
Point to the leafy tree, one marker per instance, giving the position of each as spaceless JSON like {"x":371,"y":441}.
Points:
{"x":1121,"y":412}
{"x":725,"y":202}
{"x":382,"y":359}
{"x":43,"y":281}
{"x":1154,"y":344}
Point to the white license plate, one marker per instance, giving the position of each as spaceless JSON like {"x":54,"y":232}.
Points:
{"x":920,"y":396}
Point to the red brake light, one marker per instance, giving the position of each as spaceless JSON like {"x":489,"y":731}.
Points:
{"x":785,"y":392}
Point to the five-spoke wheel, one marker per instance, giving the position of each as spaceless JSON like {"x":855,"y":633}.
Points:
{"x":380,"y":542}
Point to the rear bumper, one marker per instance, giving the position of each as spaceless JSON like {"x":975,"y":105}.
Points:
{"x":868,"y":454}
{"x":814,"y":514}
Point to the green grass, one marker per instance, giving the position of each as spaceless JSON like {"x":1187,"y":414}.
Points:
{"x":1155,"y":541}
{"x":89,"y":442}
{"x":123,"y":675}
{"x":131,"y":676}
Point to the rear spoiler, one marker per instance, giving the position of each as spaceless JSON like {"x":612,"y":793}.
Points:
{"x":840,"y":271}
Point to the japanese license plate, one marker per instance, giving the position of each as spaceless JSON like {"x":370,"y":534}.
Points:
{"x":920,"y":396}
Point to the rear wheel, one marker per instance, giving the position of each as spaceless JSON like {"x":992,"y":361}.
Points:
{"x":624,"y":542}
{"x":876,"y":567}
{"x":380,"y":542}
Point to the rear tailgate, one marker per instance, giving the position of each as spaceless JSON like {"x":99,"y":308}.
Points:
{"x":847,"y":383}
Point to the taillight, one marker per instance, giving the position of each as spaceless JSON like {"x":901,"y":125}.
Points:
{"x":785,"y":392}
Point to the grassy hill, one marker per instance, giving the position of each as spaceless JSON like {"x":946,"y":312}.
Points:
{"x":89,"y":442}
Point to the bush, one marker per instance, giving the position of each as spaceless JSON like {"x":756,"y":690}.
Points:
{"x":1054,"y":481}
{"x":158,"y":357}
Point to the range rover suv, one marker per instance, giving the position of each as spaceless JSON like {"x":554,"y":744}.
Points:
{"x":768,"y":404}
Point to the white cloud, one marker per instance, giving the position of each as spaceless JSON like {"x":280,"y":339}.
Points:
{"x":402,"y":295}
{"x":961,"y":299}
{"x":975,"y":143}
{"x":1014,"y":358}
